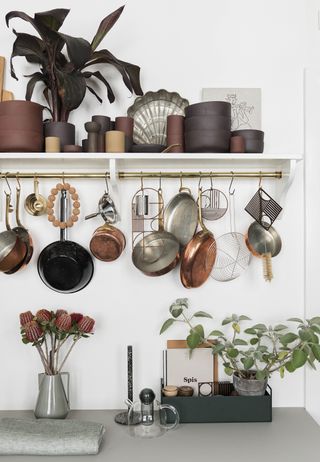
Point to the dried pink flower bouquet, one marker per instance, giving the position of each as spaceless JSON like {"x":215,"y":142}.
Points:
{"x":48,"y":331}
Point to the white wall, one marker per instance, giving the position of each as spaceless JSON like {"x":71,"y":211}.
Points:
{"x":182,"y":46}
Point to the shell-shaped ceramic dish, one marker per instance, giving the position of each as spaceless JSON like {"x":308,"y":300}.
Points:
{"x":150,"y":114}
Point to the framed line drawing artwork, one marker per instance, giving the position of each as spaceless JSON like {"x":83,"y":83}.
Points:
{"x":245,"y":105}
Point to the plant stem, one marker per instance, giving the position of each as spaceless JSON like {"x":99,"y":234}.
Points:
{"x":43,"y":359}
{"x":68,"y":353}
{"x":47,"y":350}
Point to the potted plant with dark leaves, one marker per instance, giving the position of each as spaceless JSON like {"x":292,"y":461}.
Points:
{"x":54,"y":334}
{"x":65,"y":77}
{"x":253,"y":354}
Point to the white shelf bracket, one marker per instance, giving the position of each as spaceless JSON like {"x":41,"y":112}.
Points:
{"x":283,"y":186}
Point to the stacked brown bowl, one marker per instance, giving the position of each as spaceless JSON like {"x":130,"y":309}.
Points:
{"x":253,"y":140}
{"x":21,"y":127}
{"x":207,"y":127}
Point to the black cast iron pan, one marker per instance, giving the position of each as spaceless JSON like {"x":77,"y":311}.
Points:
{"x":65,"y":266}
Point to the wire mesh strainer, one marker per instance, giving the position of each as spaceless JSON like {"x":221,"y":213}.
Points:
{"x":233,"y":256}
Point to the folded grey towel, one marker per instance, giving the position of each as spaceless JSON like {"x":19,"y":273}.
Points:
{"x":48,"y":437}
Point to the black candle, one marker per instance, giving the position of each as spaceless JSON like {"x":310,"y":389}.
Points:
{"x":130,"y":375}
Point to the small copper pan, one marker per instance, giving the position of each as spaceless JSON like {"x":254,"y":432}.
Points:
{"x":19,"y":250}
{"x":198,"y":256}
{"x":107,"y":243}
{"x":23,"y":234}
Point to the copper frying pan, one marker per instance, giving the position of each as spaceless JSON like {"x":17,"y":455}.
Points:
{"x":107,"y":243}
{"x":199,"y":255}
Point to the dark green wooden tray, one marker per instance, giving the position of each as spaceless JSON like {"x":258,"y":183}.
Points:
{"x":220,"y":408}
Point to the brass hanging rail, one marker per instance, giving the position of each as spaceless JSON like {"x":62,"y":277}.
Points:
{"x":128,"y":175}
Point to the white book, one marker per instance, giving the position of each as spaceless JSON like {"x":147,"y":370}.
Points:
{"x":181,"y":369}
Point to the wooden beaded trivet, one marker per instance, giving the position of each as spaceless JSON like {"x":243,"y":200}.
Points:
{"x":75,"y":206}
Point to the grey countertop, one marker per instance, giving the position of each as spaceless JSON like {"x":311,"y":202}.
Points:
{"x":293,"y":435}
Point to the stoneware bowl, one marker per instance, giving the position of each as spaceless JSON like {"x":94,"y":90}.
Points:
{"x":209,"y":122}
{"x":209,"y":108}
{"x":254,"y":146}
{"x":249,"y":134}
{"x":207,"y":141}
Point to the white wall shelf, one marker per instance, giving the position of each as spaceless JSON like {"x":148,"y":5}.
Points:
{"x":122,"y":162}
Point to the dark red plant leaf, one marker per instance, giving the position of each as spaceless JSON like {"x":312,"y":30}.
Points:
{"x":71,"y":88}
{"x":25,"y":317}
{"x":44,"y":315}
{"x":106,"y":24}
{"x":64,"y":322}
{"x":33,"y":331}
{"x":86,"y":325}
{"x":35,"y":78}
{"x":100,"y":77}
{"x":79,"y":50}
{"x":94,"y":93}
{"x":52,"y":19}
{"x":48,"y":35}
{"x":76,"y":317}
{"x":30,"y":47}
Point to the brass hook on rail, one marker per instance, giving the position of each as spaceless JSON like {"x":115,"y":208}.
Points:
{"x":231,"y":192}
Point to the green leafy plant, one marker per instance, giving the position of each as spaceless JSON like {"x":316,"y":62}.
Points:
{"x":51,"y":331}
{"x":65,"y":76}
{"x":256,"y":351}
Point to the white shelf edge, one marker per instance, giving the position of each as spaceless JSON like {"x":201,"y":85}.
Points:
{"x":146,"y":156}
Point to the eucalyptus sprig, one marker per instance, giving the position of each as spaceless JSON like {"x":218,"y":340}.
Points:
{"x":257,"y":351}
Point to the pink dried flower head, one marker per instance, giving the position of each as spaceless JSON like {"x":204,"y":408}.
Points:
{"x":64,"y":322}
{"x":43,"y":315}
{"x":33,"y":331}
{"x":25,"y":318}
{"x":76,"y":317}
{"x":86,"y":324}
{"x":60,"y":312}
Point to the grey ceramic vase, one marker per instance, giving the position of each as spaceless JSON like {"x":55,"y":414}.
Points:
{"x":249,"y":387}
{"x":53,"y":401}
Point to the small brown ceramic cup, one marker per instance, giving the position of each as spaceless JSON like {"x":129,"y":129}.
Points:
{"x":185,"y":391}
{"x":237,"y":144}
{"x":175,"y":132}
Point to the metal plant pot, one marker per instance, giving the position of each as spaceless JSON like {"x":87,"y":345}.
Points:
{"x":249,"y":387}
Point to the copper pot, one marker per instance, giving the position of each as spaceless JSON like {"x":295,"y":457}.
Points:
{"x":198,"y":256}
{"x":107,"y":243}
{"x":18,"y":251}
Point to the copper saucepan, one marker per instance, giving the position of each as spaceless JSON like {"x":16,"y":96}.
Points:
{"x":107,"y":243}
{"x":23,"y":234}
{"x":18,"y":250}
{"x":198,"y":256}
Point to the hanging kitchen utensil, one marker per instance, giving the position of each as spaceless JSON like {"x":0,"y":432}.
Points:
{"x":263,"y":208}
{"x":233,"y":255}
{"x":214,"y":203}
{"x":106,"y":207}
{"x":156,"y":253}
{"x":74,"y":217}
{"x":107,"y":243}
{"x":144,"y":211}
{"x":35,"y":204}
{"x":22,"y":233}
{"x":65,"y":266}
{"x":181,"y":215}
{"x":265,"y":244}
{"x":199,"y":254}
{"x":12,"y":255}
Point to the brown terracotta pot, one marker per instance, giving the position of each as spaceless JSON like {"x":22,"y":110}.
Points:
{"x":21,"y":126}
{"x":20,"y":141}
